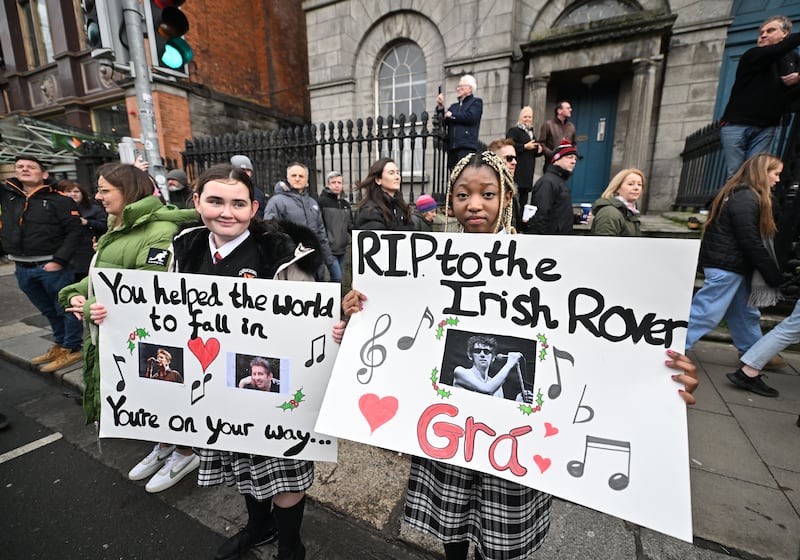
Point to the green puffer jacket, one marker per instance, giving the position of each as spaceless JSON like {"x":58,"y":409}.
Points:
{"x":610,"y":216}
{"x":140,"y":243}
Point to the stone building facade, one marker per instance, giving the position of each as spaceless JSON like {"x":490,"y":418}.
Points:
{"x":641,"y":75}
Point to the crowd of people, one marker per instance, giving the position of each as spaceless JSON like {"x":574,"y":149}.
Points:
{"x":223,"y":223}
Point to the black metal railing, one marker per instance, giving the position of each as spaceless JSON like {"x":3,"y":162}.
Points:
{"x":349,"y":147}
{"x":703,"y":172}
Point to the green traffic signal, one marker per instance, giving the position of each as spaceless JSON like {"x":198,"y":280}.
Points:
{"x":93,"y":34}
{"x":177,"y":53}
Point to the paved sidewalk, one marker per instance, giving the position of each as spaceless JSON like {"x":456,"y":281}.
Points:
{"x":745,"y":468}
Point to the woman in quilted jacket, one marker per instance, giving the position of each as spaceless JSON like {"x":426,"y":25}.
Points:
{"x":738,"y":261}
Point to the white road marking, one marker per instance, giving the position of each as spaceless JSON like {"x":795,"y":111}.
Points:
{"x":28,"y":447}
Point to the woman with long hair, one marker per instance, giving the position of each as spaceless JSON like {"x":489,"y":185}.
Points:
{"x":140,"y":232}
{"x":457,"y":505}
{"x":382,"y":205}
{"x":615,"y":212}
{"x":738,"y":260}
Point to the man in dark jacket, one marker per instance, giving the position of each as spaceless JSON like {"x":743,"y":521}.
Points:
{"x":42,"y":233}
{"x":462,"y":120}
{"x":298,"y":207}
{"x":338,"y":218}
{"x":552,"y":196}
{"x":759,"y":94}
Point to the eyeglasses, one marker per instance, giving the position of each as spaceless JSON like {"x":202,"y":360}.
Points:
{"x":509,"y":159}
{"x":103,"y":192}
{"x":485,"y":351}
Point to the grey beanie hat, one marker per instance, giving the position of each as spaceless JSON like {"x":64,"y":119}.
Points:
{"x":179,"y":175}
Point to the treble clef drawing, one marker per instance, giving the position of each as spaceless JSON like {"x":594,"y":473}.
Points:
{"x":370,"y":349}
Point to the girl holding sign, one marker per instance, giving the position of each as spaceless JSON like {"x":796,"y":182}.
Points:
{"x":231,"y":243}
{"x":457,"y":505}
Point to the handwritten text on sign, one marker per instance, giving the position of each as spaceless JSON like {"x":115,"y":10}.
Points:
{"x":536,"y":359}
{"x":215,"y":362}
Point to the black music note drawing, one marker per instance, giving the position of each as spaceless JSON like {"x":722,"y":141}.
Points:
{"x":121,"y":382}
{"x":369,"y":349}
{"x":555,"y":389}
{"x":406,"y":342}
{"x":617,"y":481}
{"x":321,"y":354}
{"x":588,"y":409}
{"x":196,"y":386}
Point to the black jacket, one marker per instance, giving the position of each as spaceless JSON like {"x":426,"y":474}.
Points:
{"x":338,"y":218}
{"x":45,"y":223}
{"x":369,"y":216}
{"x":464,"y":125}
{"x":276,"y":243}
{"x":732,"y":241}
{"x":758,"y":96}
{"x":553,"y":200}
{"x":523,"y":175}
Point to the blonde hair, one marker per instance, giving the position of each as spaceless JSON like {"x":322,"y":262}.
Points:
{"x":616,"y":182}
{"x":489,"y":159}
{"x":754,"y":174}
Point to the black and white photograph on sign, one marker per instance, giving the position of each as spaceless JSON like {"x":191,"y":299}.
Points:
{"x":164,"y":363}
{"x":501,"y":366}
{"x":256,"y":373}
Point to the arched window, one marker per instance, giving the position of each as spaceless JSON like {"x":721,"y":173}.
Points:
{"x":402,"y":74}
{"x":585,"y":12}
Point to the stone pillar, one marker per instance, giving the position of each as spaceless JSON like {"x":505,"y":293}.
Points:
{"x":537,"y":98}
{"x":638,"y":141}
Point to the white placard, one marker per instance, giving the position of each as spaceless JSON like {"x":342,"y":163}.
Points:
{"x":592,"y":318}
{"x":213,"y":328}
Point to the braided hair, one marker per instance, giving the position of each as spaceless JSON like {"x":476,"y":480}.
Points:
{"x":490,"y":159}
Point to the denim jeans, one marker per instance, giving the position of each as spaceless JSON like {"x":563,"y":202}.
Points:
{"x":724,"y":295}
{"x":336,"y":267}
{"x":785,"y":333}
{"x":741,"y":142}
{"x":42,"y":289}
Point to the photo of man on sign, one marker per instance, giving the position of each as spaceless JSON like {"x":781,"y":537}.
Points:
{"x":500,"y":366}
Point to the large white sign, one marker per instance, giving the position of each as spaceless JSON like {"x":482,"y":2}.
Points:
{"x":539,"y":359}
{"x":216,"y":362}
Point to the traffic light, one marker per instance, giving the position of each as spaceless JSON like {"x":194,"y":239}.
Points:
{"x":168,"y":24}
{"x":105,"y":29}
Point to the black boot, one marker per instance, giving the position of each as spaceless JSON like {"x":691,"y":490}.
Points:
{"x":456,"y":551}
{"x":260,"y":529}
{"x":288,"y":521}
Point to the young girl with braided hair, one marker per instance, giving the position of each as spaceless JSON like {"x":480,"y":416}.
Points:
{"x":459,"y":506}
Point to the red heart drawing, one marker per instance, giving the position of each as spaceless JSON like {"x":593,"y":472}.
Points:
{"x":549,"y":429}
{"x":542,"y":463}
{"x":204,"y":352}
{"x":377,"y":411}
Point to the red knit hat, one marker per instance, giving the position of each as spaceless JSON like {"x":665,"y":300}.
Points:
{"x":564,"y":149}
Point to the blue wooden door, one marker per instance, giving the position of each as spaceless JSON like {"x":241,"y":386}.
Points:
{"x":594,"y":112}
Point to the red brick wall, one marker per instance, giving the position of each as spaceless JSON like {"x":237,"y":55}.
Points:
{"x":253,"y":49}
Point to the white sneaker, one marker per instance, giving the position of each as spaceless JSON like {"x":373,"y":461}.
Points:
{"x":176,"y":467}
{"x":151,"y":463}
